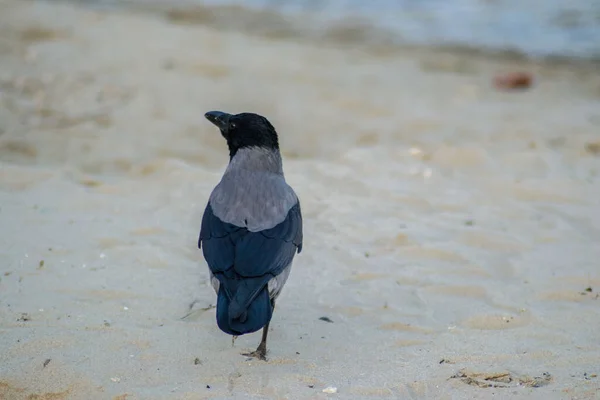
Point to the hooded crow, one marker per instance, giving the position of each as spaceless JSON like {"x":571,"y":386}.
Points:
{"x":251,"y":227}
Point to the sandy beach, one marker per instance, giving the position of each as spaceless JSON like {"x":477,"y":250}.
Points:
{"x":451,"y":229}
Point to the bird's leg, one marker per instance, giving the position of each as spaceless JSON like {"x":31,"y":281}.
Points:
{"x":261,"y":350}
{"x":233,"y":340}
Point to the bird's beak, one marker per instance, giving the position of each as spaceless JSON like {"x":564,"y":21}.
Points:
{"x":219,"y":118}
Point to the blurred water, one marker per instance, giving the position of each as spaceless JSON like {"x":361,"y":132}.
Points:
{"x":537,"y":28}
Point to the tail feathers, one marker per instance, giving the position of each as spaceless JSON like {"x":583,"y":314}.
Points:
{"x":243,"y":310}
{"x":244,"y":292}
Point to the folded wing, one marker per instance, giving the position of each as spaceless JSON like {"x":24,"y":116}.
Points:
{"x":244,"y":262}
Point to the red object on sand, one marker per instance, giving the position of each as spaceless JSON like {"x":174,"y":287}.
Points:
{"x":513,"y":80}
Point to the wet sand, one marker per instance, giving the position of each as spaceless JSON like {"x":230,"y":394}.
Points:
{"x":451,"y":229}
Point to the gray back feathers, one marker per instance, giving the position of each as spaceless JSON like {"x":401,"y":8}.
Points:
{"x":253,"y":192}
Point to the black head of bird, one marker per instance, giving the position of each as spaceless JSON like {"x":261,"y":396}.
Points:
{"x":244,"y":130}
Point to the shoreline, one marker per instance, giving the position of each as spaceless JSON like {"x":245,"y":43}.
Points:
{"x":304,"y":27}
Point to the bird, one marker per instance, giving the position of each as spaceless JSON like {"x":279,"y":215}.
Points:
{"x":251,"y":228}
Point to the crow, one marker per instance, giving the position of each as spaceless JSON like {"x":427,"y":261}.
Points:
{"x":251,"y":228}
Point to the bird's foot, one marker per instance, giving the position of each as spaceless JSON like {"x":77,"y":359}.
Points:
{"x":260,"y":353}
{"x":233,"y":340}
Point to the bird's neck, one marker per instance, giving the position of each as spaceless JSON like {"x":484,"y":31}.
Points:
{"x":257,"y":159}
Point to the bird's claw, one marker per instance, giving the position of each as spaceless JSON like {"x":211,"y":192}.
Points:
{"x":259,"y":353}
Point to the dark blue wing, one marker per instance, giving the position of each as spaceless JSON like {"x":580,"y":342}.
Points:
{"x":244,"y":262}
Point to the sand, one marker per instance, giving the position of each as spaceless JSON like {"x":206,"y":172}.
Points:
{"x":451,"y":229}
